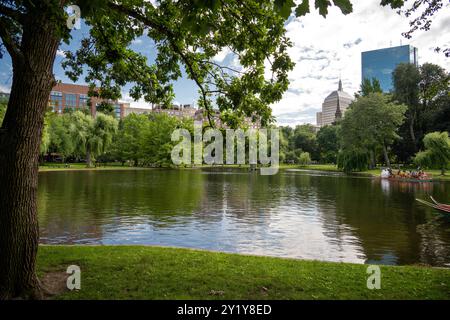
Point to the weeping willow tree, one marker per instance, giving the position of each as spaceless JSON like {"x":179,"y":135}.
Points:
{"x":437,"y":151}
{"x":91,"y":136}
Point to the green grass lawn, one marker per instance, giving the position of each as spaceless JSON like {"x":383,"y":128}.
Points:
{"x":139,"y":272}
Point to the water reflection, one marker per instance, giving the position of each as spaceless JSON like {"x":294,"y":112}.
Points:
{"x":292,"y":214}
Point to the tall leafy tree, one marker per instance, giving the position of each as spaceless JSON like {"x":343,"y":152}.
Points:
{"x":434,"y":82}
{"x":91,"y":136}
{"x":130,"y":138}
{"x":371,"y":122}
{"x":369,"y":86}
{"x":61,"y":141}
{"x":437,"y":151}
{"x":437,"y":118}
{"x":406,"y":78}
{"x":304,"y":139}
{"x":424,"y":90}
{"x":434,"y":91}
{"x":156,"y":141}
{"x":185,"y":33}
{"x":328,"y":143}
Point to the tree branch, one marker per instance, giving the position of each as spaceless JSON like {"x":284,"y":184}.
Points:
{"x":11,"y":13}
{"x":9,"y":42}
{"x":170,"y":35}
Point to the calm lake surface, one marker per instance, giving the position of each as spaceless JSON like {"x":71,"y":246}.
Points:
{"x":295,"y":214}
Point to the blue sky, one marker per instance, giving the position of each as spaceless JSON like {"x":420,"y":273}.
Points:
{"x":324,"y":50}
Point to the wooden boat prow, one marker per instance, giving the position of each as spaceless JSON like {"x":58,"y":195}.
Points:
{"x":436,"y":205}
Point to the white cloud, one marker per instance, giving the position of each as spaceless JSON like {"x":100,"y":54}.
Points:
{"x":60,"y":53}
{"x":326,"y":49}
{"x":220,"y":57}
{"x":137,"y":41}
{"x":141,"y":103}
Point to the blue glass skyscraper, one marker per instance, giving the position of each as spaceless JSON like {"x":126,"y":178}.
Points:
{"x":380,"y":64}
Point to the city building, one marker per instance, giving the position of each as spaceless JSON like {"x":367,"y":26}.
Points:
{"x":334,"y":106}
{"x":180,"y":111}
{"x":380,"y":64}
{"x":73,"y":97}
{"x":66,"y":96}
{"x":127,"y":110}
{"x":319,"y":119}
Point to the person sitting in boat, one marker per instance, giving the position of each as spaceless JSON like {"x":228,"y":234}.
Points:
{"x":423,"y":175}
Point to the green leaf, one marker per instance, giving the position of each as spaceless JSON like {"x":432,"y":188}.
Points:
{"x":345,"y":6}
{"x":302,"y":9}
{"x":395,"y":4}
{"x":284,"y":7}
{"x":322,"y":5}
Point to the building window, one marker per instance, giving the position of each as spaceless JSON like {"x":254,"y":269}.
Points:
{"x":56,"y":101}
{"x":117,"y":110}
{"x":71,"y":100}
{"x":84,"y":99}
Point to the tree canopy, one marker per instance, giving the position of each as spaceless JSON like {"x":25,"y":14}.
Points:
{"x":370,"y":122}
{"x":437,"y":151}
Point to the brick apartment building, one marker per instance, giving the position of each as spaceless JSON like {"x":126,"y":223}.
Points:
{"x":65,"y":96}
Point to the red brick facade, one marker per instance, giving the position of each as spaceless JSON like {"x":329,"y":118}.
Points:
{"x":75,"y":97}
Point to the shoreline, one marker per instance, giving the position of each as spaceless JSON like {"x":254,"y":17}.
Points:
{"x":374,"y":173}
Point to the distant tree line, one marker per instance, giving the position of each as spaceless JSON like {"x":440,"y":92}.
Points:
{"x":386,"y":128}
{"x":407,"y":126}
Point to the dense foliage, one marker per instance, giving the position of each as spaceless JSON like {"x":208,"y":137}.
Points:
{"x":369,"y":125}
{"x":425,"y":91}
{"x":3,"y":104}
{"x":437,"y":151}
{"x":79,"y":135}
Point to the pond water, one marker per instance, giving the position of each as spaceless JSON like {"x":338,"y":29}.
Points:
{"x":296,"y":214}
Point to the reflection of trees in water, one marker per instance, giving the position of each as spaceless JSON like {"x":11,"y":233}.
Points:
{"x":433,"y":249}
{"x":432,"y":230}
{"x":335,"y":228}
{"x":384,"y":219}
{"x":240,"y":194}
{"x":77,"y":204}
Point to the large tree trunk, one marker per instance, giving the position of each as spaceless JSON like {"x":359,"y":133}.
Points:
{"x":88,"y":157}
{"x":20,"y":138}
{"x":386,"y":156}
{"x":372,"y":164}
{"x":411,"y":132}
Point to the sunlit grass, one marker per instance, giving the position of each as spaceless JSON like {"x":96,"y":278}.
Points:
{"x":139,"y":272}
